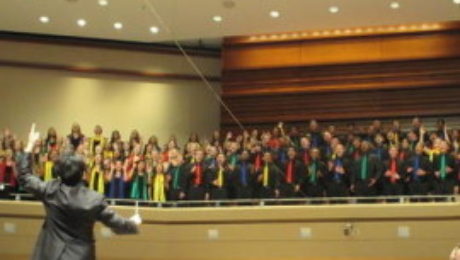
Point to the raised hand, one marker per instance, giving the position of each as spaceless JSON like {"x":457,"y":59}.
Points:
{"x":33,"y":138}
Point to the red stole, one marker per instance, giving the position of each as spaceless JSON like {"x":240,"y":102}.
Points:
{"x":393,"y":170}
{"x":258,"y":162}
{"x":289,"y":171}
{"x":198,"y":174}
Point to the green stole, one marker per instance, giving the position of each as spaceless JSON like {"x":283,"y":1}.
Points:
{"x":364,"y":167}
{"x":139,"y":188}
{"x":312,"y":169}
{"x":176,"y":178}
{"x":442,"y":167}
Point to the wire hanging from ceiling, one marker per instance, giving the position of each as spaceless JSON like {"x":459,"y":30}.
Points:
{"x":192,"y":63}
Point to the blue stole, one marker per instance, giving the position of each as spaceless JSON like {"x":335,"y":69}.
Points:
{"x":244,"y":174}
{"x":338,"y":162}
{"x":416,"y":167}
{"x":117,"y":188}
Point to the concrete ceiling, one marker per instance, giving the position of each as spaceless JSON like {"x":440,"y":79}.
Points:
{"x":192,"y":20}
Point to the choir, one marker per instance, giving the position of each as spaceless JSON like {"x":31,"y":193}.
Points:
{"x":258,"y":164}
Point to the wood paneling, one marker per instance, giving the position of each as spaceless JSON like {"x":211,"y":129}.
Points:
{"x":377,"y":76}
{"x":260,"y":232}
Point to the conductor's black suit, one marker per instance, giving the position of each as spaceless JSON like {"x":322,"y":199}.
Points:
{"x":71,"y":212}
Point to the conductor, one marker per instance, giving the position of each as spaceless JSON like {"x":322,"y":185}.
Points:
{"x":71,"y":209}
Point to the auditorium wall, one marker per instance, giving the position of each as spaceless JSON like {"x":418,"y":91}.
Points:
{"x":153,"y":90}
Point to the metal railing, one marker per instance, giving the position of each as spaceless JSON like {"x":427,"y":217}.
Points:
{"x":270,"y":202}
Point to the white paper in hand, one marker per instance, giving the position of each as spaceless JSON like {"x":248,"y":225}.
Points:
{"x":136,"y":218}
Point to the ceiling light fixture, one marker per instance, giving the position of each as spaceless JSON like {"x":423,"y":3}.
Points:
{"x":456,"y":2}
{"x":217,"y":18}
{"x":118,"y":25}
{"x":44,"y":19}
{"x":334,"y":9}
{"x":81,"y":22}
{"x":274,"y":14}
{"x":103,"y":2}
{"x":394,"y":5}
{"x":154,"y":29}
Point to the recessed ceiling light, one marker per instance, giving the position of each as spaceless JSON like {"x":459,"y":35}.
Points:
{"x":394,"y":5}
{"x":334,"y":9}
{"x":154,"y":29}
{"x":44,"y":19}
{"x":456,"y":2}
{"x":81,"y":22}
{"x":103,"y":2}
{"x":217,"y":18}
{"x":118,"y":25}
{"x":274,"y":14}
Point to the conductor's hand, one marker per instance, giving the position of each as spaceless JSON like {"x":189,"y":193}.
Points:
{"x":136,"y":218}
{"x":33,"y":138}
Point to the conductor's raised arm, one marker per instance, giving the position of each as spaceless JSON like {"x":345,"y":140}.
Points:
{"x":27,"y":179}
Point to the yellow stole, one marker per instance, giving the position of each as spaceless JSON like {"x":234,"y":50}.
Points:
{"x":159,"y":188}
{"x":220,"y":178}
{"x":108,"y":154}
{"x":432,"y":153}
{"x":48,"y":171}
{"x":265,"y":175}
{"x":100,"y":182}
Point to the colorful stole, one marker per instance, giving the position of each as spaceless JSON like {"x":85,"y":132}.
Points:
{"x":442,"y":167}
{"x":338,"y":163}
{"x":175,"y":182}
{"x":233,"y":159}
{"x":258,"y":162}
{"x":117,"y":187}
{"x":289,"y":171}
{"x":393,"y":170}
{"x":159,"y":188}
{"x":306,"y":157}
{"x":220,"y":178}
{"x":416,"y":167}
{"x":198,"y":174}
{"x":313,"y":169}
{"x":97,"y":173}
{"x":139,"y":187}
{"x":432,"y":153}
{"x":265,"y":175}
{"x":48,"y":171}
{"x":364,"y":167}
{"x":243,"y":174}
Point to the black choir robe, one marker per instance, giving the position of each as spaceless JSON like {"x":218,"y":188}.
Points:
{"x":393,"y":187}
{"x":243,"y":180}
{"x":418,"y":184}
{"x":287,"y":185}
{"x":71,"y":212}
{"x":444,"y":184}
{"x":337,"y":184}
{"x":218,"y":192}
{"x":361,"y":183}
{"x":313,"y":184}
{"x":196,"y":183}
{"x":274,"y":176}
{"x":178,"y":181}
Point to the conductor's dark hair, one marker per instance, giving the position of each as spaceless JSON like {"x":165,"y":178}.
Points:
{"x":70,"y":169}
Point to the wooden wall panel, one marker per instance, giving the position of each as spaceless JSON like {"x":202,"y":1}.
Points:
{"x":259,"y":232}
{"x":342,"y":78}
{"x":430,"y":45}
